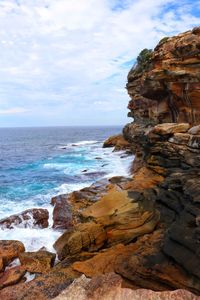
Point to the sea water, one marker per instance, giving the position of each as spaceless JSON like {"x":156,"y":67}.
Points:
{"x":39,"y":163}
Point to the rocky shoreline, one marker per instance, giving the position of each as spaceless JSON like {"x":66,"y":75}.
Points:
{"x":137,"y":237}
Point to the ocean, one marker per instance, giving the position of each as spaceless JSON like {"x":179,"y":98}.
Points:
{"x":39,"y":163}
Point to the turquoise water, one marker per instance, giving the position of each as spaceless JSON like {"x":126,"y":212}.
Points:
{"x":38,"y":163}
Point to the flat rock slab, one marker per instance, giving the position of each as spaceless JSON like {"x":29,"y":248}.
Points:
{"x":109,"y":286}
{"x":171,"y":128}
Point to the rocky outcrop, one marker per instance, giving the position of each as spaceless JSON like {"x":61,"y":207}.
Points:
{"x":10,"y":250}
{"x":35,"y":217}
{"x":118,"y":142}
{"x":41,"y":261}
{"x":11,"y":276}
{"x":164,"y":137}
{"x":117,"y":217}
{"x":68,"y":207}
{"x":146,"y":228}
{"x":166,"y":87}
{"x":106,"y":287}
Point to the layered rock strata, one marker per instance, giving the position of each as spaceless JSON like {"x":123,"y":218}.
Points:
{"x":165,"y":137}
{"x":146,"y":228}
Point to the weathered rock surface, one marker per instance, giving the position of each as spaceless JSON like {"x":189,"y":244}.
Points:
{"x":165,"y":140}
{"x":110,"y":287}
{"x":68,"y":207}
{"x":166,"y":88}
{"x":11,"y":276}
{"x":44,"y":287}
{"x":117,"y":217}
{"x":37,"y":262}
{"x":146,"y":228}
{"x":10,"y":250}
{"x":35,"y":217}
{"x":118,"y":142}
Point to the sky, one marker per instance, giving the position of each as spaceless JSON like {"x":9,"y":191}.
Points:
{"x":65,"y":62}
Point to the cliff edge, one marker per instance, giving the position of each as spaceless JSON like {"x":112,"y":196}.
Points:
{"x":136,"y":237}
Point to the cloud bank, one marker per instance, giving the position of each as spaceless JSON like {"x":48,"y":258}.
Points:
{"x":66,"y":62}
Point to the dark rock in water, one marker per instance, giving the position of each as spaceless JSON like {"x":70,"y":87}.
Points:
{"x":37,"y":262}
{"x":35,"y":217}
{"x":84,"y":171}
{"x":94,"y":175}
{"x":98,"y":158}
{"x":62,"y":215}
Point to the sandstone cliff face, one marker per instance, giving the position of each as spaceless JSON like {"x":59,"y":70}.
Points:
{"x":169,"y":89}
{"x":165,"y":105}
{"x":145,"y":228}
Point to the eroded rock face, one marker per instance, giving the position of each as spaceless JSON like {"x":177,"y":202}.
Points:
{"x":35,"y":217}
{"x":68,"y":207}
{"x":11,"y":276}
{"x":118,"y":142}
{"x":44,"y":287}
{"x":146,"y":228}
{"x":117,"y":217}
{"x":168,"y":88}
{"x":37,"y":262}
{"x":10,"y":250}
{"x":110,"y":287}
{"x":165,"y":104}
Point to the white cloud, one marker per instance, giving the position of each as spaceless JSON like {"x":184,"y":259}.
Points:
{"x":72,"y":54}
{"x":13,"y":111}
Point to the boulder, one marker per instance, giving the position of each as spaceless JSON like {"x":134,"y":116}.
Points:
{"x":88,"y":236}
{"x":10,"y":250}
{"x":118,"y":142}
{"x":62,"y":213}
{"x":35,"y":217}
{"x":37,"y":262}
{"x":12,"y":276}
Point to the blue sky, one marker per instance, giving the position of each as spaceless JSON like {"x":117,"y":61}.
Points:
{"x":65,"y":62}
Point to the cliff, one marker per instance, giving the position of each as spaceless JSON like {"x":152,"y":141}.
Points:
{"x":136,"y":237}
{"x":165,"y":137}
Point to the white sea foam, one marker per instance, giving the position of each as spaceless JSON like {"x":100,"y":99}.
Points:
{"x":68,"y":188}
{"x":56,"y":166}
{"x":29,"y":277}
{"x":33,"y":239}
{"x":82,"y":143}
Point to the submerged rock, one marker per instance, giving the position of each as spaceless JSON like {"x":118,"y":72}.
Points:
{"x":34,"y":217}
